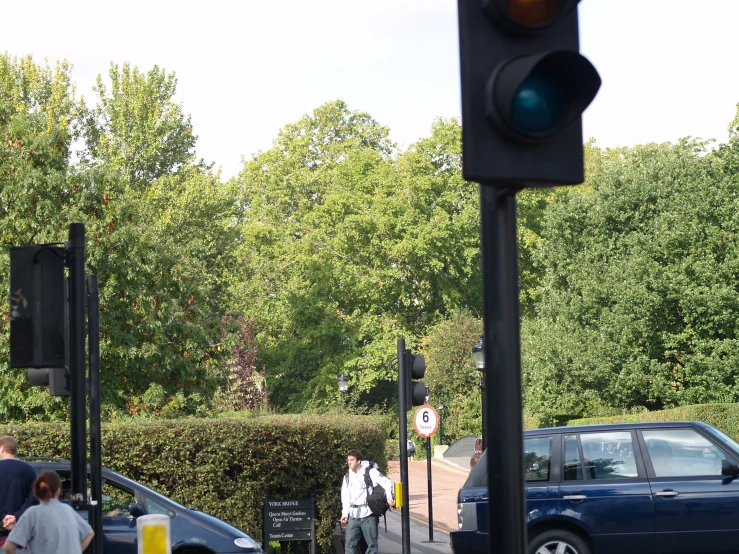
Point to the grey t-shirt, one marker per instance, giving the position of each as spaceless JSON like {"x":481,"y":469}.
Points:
{"x":50,"y":528}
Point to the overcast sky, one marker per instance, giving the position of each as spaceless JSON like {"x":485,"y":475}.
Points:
{"x":246,"y":68}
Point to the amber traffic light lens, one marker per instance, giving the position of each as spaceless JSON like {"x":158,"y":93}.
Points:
{"x":531,"y":12}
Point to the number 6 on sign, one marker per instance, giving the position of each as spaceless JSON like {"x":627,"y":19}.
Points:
{"x":426,"y":421}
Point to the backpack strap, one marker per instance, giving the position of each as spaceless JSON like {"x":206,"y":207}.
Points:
{"x":367,"y":478}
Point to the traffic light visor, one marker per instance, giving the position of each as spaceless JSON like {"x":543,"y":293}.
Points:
{"x":534,"y":96}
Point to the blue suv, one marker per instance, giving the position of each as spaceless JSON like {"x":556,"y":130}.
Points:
{"x":668,"y":487}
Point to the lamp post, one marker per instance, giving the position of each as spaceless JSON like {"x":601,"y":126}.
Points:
{"x":343,"y":382}
{"x":440,"y":407}
{"x":478,"y":354}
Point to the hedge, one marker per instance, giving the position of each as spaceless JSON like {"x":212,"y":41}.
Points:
{"x":722,"y":416}
{"x":227,"y":467}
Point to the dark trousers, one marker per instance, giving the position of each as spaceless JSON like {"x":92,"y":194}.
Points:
{"x":355,"y":528}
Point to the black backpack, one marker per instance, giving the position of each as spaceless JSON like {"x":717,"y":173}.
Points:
{"x":377,"y":499}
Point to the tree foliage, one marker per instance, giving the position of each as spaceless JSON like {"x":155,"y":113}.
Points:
{"x":37,"y":110}
{"x":640,"y":295}
{"x":451,"y":374}
{"x":346,"y":248}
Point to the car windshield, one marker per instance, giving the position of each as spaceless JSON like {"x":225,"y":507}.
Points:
{"x":728,"y":440}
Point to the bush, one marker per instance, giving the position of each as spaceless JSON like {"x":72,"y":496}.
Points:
{"x":228,"y":466}
{"x":722,"y":416}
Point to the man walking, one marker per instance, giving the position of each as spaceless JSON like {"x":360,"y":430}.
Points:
{"x":16,"y":486}
{"x":355,"y":512}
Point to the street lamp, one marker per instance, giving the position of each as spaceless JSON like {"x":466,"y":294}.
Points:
{"x":478,"y":354}
{"x":440,"y":407}
{"x":343,"y":382}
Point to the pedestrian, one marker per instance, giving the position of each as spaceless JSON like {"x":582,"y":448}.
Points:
{"x":355,"y":512}
{"x":16,"y":485}
{"x":51,"y":527}
{"x":411,"y":447}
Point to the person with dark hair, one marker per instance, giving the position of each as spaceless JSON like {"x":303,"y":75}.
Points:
{"x":355,"y":512}
{"x":52,"y":526}
{"x":16,"y":485}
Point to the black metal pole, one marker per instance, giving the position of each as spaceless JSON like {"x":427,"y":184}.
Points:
{"x":428,"y":475}
{"x":441,"y":428}
{"x":484,"y":410}
{"x":405,"y":515}
{"x":96,"y":475}
{"x":76,"y":249}
{"x":504,"y":429}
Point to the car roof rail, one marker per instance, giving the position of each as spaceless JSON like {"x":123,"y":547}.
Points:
{"x":42,"y":459}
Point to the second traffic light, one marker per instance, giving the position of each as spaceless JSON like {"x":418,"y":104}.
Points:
{"x":415,"y":368}
{"x":524,"y":88}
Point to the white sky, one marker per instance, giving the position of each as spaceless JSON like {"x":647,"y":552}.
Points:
{"x":248,"y":67}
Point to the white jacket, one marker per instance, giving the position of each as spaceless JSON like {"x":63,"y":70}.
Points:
{"x":354,"y":491}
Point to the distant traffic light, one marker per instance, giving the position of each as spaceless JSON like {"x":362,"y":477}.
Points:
{"x":524,"y":88}
{"x":415,"y":390}
{"x":38,"y":307}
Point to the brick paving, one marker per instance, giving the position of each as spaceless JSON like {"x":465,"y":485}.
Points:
{"x":446,"y":480}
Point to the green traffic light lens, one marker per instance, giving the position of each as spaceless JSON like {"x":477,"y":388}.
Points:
{"x":537,"y":106}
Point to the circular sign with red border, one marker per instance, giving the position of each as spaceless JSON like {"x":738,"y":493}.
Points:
{"x":426,"y":421}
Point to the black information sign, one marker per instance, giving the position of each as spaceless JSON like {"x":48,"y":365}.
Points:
{"x":289,"y":520}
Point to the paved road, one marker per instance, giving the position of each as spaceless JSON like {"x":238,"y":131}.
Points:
{"x":391,"y":542}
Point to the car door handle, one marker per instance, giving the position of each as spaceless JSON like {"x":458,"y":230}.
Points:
{"x":666,"y":493}
{"x":574,"y":497}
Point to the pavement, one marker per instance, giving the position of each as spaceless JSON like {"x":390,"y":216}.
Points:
{"x":446,"y":480}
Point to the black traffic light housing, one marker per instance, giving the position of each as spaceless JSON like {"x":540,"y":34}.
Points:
{"x":524,"y":88}
{"x":56,"y":378}
{"x":415,"y":365}
{"x":38,"y":307}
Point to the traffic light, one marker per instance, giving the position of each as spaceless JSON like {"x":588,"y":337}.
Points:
{"x":38,"y":307}
{"x":524,"y":88}
{"x":415,"y":390}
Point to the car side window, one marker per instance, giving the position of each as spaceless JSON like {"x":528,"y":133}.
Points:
{"x":573,"y":463}
{"x":153,"y":507}
{"x":608,"y":455}
{"x":66,"y":477}
{"x":116,"y":499}
{"x":537,"y":458}
{"x":682,"y":453}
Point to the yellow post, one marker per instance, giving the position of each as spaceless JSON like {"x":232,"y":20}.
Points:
{"x":154,"y":534}
{"x":398,"y":495}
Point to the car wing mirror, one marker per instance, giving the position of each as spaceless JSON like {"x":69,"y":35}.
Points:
{"x":136,"y":510}
{"x":729,"y":467}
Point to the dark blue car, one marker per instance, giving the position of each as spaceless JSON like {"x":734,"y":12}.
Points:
{"x":192,"y":532}
{"x":622,"y":488}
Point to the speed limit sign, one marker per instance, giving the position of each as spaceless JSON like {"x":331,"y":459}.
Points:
{"x":426,"y":421}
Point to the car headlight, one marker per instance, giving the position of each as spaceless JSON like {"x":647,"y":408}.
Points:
{"x":467,"y":515}
{"x":248,"y":542}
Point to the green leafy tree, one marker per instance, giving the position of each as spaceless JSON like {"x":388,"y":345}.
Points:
{"x":136,"y":127}
{"x":451,"y":374}
{"x":37,"y":113}
{"x":639,"y":298}
{"x":346,"y":248}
